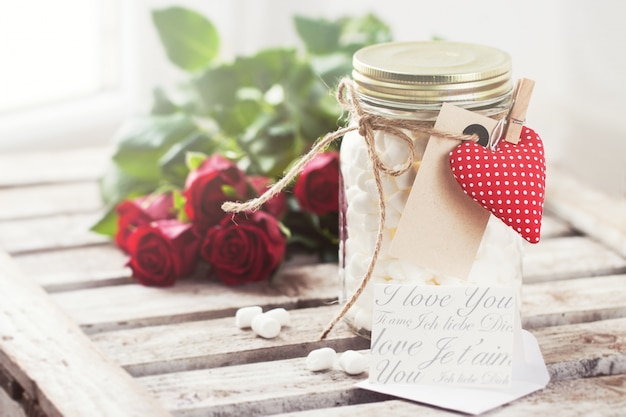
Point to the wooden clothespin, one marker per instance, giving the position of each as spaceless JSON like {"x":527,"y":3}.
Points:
{"x":517,"y":115}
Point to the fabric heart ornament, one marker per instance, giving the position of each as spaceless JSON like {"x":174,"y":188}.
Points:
{"x":509,"y":181}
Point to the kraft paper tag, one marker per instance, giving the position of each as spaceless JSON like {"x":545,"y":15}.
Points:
{"x":441,"y":227}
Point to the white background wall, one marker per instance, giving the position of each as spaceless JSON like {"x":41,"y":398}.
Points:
{"x":573,"y":49}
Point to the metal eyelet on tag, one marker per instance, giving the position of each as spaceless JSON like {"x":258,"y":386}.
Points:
{"x":480,"y":131}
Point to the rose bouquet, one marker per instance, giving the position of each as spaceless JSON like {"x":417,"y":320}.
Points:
{"x":226,"y":134}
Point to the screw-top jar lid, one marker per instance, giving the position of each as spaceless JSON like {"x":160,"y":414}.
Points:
{"x":430,"y":73}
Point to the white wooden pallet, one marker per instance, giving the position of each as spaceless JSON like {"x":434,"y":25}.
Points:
{"x":79,"y":338}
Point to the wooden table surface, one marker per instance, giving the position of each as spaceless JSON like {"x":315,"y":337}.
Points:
{"x":79,"y":338}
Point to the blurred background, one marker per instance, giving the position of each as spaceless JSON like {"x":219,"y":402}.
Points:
{"x":71,"y":71}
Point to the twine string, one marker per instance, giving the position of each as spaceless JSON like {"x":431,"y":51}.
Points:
{"x":366,"y":124}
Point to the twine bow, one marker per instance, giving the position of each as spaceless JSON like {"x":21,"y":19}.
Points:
{"x":366,"y":124}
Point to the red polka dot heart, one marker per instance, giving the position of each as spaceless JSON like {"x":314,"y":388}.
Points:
{"x":508,"y":181}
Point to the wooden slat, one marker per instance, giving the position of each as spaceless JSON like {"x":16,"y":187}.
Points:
{"x":218,"y":342}
{"x":286,"y":385}
{"x":48,"y":200}
{"x":68,"y":165}
{"x":125,"y":306}
{"x":58,"y":367}
{"x":584,"y":350}
{"x":552,"y":226}
{"x":255,"y":389}
{"x":187,"y":346}
{"x":600,"y":397}
{"x":101,"y":265}
{"x":595,"y":213}
{"x":569,"y":257}
{"x":9,"y":407}
{"x":76,"y":268}
{"x":573,"y":301}
{"x":62,"y":231}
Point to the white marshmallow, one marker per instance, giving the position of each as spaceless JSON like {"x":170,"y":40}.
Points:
{"x":363,"y":319}
{"x":321,"y":359}
{"x":281,"y":315}
{"x":397,"y":201}
{"x":353,"y":362}
{"x":265,"y":326}
{"x":244,"y":316}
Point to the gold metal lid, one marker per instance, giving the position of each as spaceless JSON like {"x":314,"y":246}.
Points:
{"x":431,"y":73}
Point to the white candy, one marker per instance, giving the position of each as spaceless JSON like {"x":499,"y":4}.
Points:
{"x":281,"y":315}
{"x":244,"y":316}
{"x":363,"y":319}
{"x":397,"y":201}
{"x":321,"y":359}
{"x":353,"y":362}
{"x":265,"y":326}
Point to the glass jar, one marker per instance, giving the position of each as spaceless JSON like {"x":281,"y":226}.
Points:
{"x":411,"y":80}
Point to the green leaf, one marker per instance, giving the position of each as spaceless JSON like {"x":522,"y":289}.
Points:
{"x":320,"y":36}
{"x":162,"y":104}
{"x":230,"y":191}
{"x":178,"y":202}
{"x":266,"y":68}
{"x":190,"y":40}
{"x":217,"y":87}
{"x":116,"y":185}
{"x":107,"y":225}
{"x":174,"y":163}
{"x":235,"y":119}
{"x":193,"y":160}
{"x":142,"y":142}
{"x":362,"y":31}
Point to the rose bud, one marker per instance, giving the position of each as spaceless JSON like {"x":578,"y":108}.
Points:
{"x":139,"y":211}
{"x":217,"y":180}
{"x":162,"y":251}
{"x":277,"y":206}
{"x":317,"y":187}
{"x":244,"y":248}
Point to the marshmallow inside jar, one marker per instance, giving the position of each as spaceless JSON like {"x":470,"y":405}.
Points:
{"x":409,"y":81}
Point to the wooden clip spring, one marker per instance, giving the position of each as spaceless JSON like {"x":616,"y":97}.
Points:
{"x":517,"y":115}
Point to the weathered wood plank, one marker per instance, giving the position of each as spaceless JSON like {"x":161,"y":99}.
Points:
{"x":599,"y":397}
{"x":247,"y":389}
{"x":49,"y":200}
{"x":76,"y":268}
{"x":569,"y":257}
{"x":100,"y":265}
{"x":193,"y":345}
{"x":573,"y":301}
{"x":255,"y":389}
{"x":218,"y":342}
{"x":126,"y":306}
{"x":595,"y":213}
{"x":585,"y":349}
{"x":9,"y":407}
{"x":552,"y":226}
{"x":67,"y":165}
{"x":55,"y":363}
{"x":62,"y":231}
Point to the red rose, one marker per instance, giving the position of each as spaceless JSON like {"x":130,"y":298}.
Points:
{"x":317,"y":187}
{"x":162,"y":251}
{"x":217,"y":180}
{"x":244,"y":248}
{"x":277,"y":205}
{"x":140,"y":211}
